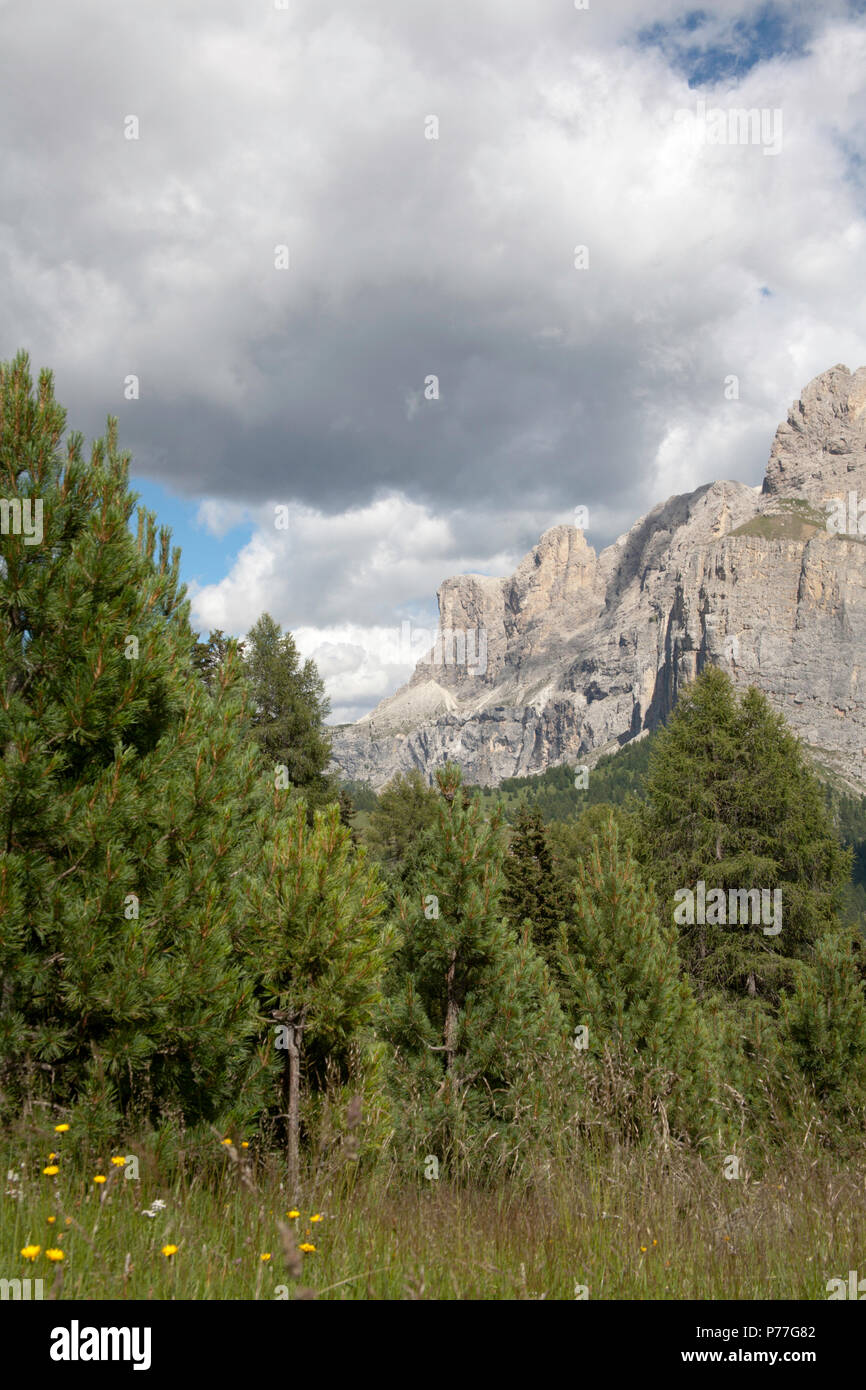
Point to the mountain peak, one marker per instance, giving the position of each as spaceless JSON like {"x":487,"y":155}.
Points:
{"x":823,"y":440}
{"x":575,"y":652}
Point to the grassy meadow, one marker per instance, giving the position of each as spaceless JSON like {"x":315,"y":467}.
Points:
{"x":614,"y":1225}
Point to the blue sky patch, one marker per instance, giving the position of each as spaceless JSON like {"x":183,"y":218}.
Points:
{"x":205,"y":558}
{"x":707,"y":52}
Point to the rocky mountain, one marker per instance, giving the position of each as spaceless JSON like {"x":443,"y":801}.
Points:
{"x":576,"y":653}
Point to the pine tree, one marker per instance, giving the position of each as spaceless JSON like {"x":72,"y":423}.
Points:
{"x":289,"y":708}
{"x":472,"y":1013}
{"x":533,"y":891}
{"x":823,"y":1024}
{"x":733,"y":804}
{"x":570,"y":841}
{"x":127,"y":799}
{"x":621,"y":982}
{"x":319,"y":946}
{"x":406,"y":811}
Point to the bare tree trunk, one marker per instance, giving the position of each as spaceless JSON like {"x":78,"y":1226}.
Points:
{"x":291,"y":1101}
{"x":451,"y":1014}
{"x":294,"y":1026}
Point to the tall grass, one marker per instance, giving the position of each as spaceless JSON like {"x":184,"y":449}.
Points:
{"x":650,"y":1222}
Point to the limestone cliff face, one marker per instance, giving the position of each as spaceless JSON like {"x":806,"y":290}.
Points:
{"x":576,"y":653}
{"x":823,"y":442}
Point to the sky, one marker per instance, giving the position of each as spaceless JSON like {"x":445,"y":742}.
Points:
{"x":379,"y":293}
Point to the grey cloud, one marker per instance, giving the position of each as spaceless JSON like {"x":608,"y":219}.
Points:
{"x":410,"y":257}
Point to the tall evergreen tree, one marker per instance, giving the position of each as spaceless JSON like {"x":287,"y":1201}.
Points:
{"x":289,"y":708}
{"x":621,"y":981}
{"x":127,"y":798}
{"x":571,"y":841}
{"x":209,"y":658}
{"x":405,"y":812}
{"x":347,"y":810}
{"x":472,"y":1012}
{"x":733,"y":804}
{"x":533,"y":891}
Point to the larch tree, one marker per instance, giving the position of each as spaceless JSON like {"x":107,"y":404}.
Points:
{"x":734,"y":811}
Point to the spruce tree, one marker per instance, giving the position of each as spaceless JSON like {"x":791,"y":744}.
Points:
{"x":471,"y":1013}
{"x":621,"y":982}
{"x":533,"y":892}
{"x":289,"y":707}
{"x":127,"y":800}
{"x":732,"y":803}
{"x":347,"y":810}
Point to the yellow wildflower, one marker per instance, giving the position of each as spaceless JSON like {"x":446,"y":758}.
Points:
{"x":118,"y":1161}
{"x":245,"y":1145}
{"x":54,"y":1255}
{"x":31,"y":1251}
{"x":266,"y":1256}
{"x":51,"y":1171}
{"x":317,"y":1217}
{"x":100,"y":1177}
{"x":643,"y":1250}
{"x":307,"y":1248}
{"x":225,"y":1141}
{"x":60,"y":1129}
{"x":292,"y":1214}
{"x":168,"y":1250}
{"x":51,"y":1220}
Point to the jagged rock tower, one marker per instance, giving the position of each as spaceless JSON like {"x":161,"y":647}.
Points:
{"x":577,"y":653}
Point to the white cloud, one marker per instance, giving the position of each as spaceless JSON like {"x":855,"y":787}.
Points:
{"x":377,"y":561}
{"x":304,"y":388}
{"x":219,"y":516}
